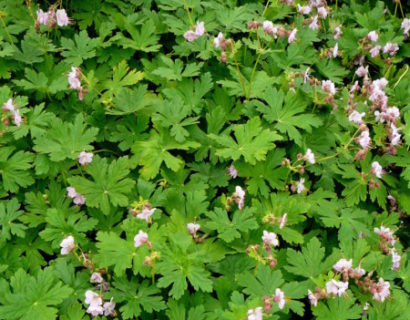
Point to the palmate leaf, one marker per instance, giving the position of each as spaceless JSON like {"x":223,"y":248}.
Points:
{"x":14,"y":169}
{"x":263,"y":283}
{"x":251,"y":141}
{"x":287,"y":113}
{"x":337,"y":309}
{"x":309,"y":262}
{"x":229,"y":230}
{"x":9,"y":215}
{"x":174,"y":70}
{"x":136,"y":296}
{"x":108,"y":185}
{"x":66,"y":140}
{"x":33,"y":297}
{"x":128,"y":101}
{"x":82,"y":48}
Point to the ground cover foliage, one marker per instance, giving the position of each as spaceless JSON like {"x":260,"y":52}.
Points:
{"x":186,"y":159}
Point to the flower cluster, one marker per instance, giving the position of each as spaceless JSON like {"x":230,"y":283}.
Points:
{"x":52,"y":17}
{"x":78,"y":198}
{"x":192,"y":35}
{"x":9,"y":107}
{"x":96,"y":306}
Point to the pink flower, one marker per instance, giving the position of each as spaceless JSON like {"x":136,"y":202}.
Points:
{"x":77,"y":197}
{"x":74,"y":78}
{"x":395,"y":135}
{"x":362,"y":72}
{"x":283,"y":221}
{"x":270,"y":238}
{"x":200,"y":28}
{"x":312,"y":298}
{"x":304,"y":9}
{"x":95,"y":303}
{"x":8,"y":106}
{"x":109,"y":307}
{"x":328,"y":86}
{"x":279,"y":297}
{"x":85,"y":157}
{"x":42,"y":17}
{"x":336,"y":287}
{"x":62,"y":18}
{"x":405,"y":25}
{"x":375,"y":51}
{"x":191,"y":35}
{"x":377,"y":169}
{"x":314,"y":24}
{"x":146,"y":213}
{"x":193,"y":228}
{"x":335,"y":50}
{"x":337,"y":33}
{"x":96,"y":278}
{"x":140,"y":239}
{"x":71,"y":193}
{"x":373,"y":36}
{"x":292,"y":35}
{"x":391,"y":48}
{"x":322,"y":12}
{"x":364,"y":139}
{"x":386,"y":234}
{"x":396,"y":258}
{"x":269,"y":28}
{"x":255,"y":314}
{"x":219,"y":40}
{"x":356,"y":117}
{"x":233,"y":172}
{"x":357,"y":272}
{"x":343,"y":265}
{"x":239,"y":196}
{"x":381,"y":291}
{"x":67,"y":245}
{"x":17,"y":118}
{"x":309,"y":156}
{"x":301,"y":185}
{"x":355,"y":87}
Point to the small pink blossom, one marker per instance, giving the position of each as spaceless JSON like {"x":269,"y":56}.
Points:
{"x":312,"y":298}
{"x":328,"y":86}
{"x":356,"y":117}
{"x":377,"y":169}
{"x":218,"y":41}
{"x":192,"y":35}
{"x":74,"y":78}
{"x":375,"y":51}
{"x":193,"y":228}
{"x":335,"y":50}
{"x":396,"y":258}
{"x":77,"y":197}
{"x":336,"y":287}
{"x":314,"y":23}
{"x":85,"y":157}
{"x":343,"y":265}
{"x":357,"y":272}
{"x":395,"y":135}
{"x":232,"y":171}
{"x":373,"y":36}
{"x":270,"y":238}
{"x":382,"y":290}
{"x":279,"y":297}
{"x":239,"y":196}
{"x":405,"y":25}
{"x":62,"y":18}
{"x":355,"y":87}
{"x":301,"y":185}
{"x":146,"y":213}
{"x":17,"y":118}
{"x":337,"y":33}
{"x":309,"y":156}
{"x":391,"y":48}
{"x":255,"y":314}
{"x":292,"y":35}
{"x":386,"y":234}
{"x":94,"y":301}
{"x":67,"y":245}
{"x":96,"y":278}
{"x":42,"y":17}
{"x":283,"y":221}
{"x":364,"y":139}
{"x":140,"y":239}
{"x":362,"y":72}
{"x":8,"y":106}
{"x":269,"y":28}
{"x":304,"y":9}
{"x":322,"y":12}
{"x":109,"y":307}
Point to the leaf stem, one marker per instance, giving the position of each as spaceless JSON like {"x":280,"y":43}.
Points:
{"x":189,"y":14}
{"x":266,"y":8}
{"x":238,"y":70}
{"x":5,"y":27}
{"x":401,"y":77}
{"x":253,"y":74}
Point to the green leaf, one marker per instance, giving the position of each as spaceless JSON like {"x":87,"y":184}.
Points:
{"x":251,"y":141}
{"x":263,"y":284}
{"x":337,"y":309}
{"x":82,"y":48}
{"x":9,"y":215}
{"x":109,"y":183}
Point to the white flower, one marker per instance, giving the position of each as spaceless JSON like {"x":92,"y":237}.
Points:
{"x":364,"y":139}
{"x":269,"y":28}
{"x":366,"y":306}
{"x":395,"y":135}
{"x":312,"y":298}
{"x":380,"y":83}
{"x":8,"y":105}
{"x":283,"y":221}
{"x":405,"y":25}
{"x":255,"y":314}
{"x":85,"y":157}
{"x":328,"y":86}
{"x":362,"y":72}
{"x":322,"y":12}
{"x":393,"y":112}
{"x":71,"y":193}
{"x":279,"y":297}
{"x":391,"y":48}
{"x":292,"y":35}
{"x":301,"y":185}
{"x":396,"y":258}
{"x":358,"y":272}
{"x":193,"y":228}
{"x":67,"y":245}
{"x":109,"y":307}
{"x":310,"y":156}
{"x":373,"y":36}
{"x":42,"y":17}
{"x":95,"y":303}
{"x":304,"y":9}
{"x":74,"y":78}
{"x":343,"y":265}
{"x":335,"y":50}
{"x":239,"y":196}
{"x":336,"y":287}
{"x":146,"y":213}
{"x":377,"y":169}
{"x":270,"y":238}
{"x":314,"y":23}
{"x":218,"y":40}
{"x":96,"y":278}
{"x":385,"y":233}
{"x":232,"y":171}
{"x":140,"y":239}
{"x":62,"y":18}
{"x":337,"y":33}
{"x":200,"y":28}
{"x":375,"y":51}
{"x":382,"y":290}
{"x":17,"y":118}
{"x":356,"y":117}
{"x":191,"y":35}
